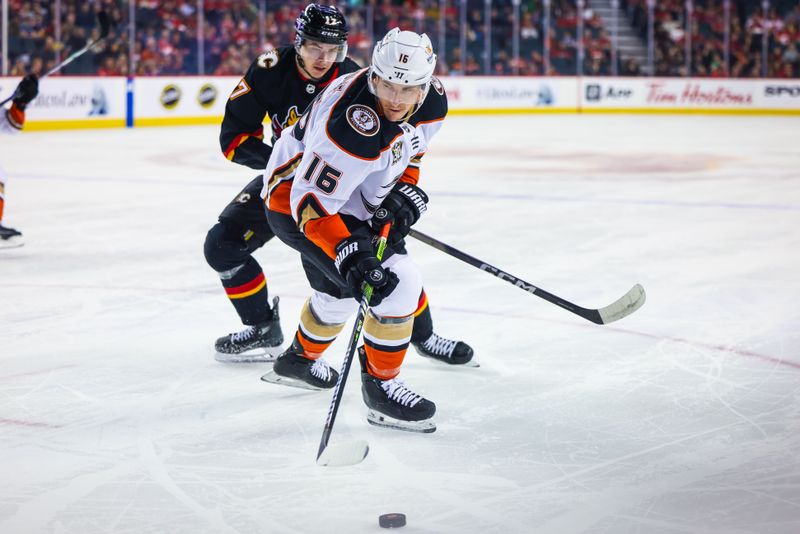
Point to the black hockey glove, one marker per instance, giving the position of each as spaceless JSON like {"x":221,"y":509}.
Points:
{"x":356,"y":261}
{"x":26,"y":91}
{"x":403,"y":206}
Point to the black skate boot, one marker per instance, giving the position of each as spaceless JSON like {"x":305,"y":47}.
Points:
{"x":293,"y":369}
{"x":446,"y":350}
{"x":10,"y":238}
{"x":392,"y":405}
{"x":257,"y":343}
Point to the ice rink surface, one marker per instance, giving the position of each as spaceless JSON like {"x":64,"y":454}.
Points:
{"x":682,"y":418}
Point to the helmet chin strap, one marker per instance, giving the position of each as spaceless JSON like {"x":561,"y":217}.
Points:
{"x":413,"y":109}
{"x":302,"y":65}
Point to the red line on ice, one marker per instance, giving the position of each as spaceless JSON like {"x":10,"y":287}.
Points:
{"x":27,"y":423}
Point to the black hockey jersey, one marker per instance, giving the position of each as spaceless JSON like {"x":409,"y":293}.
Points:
{"x":274,"y":87}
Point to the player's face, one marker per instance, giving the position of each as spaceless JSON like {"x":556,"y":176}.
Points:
{"x":318,"y":57}
{"x":397,"y":100}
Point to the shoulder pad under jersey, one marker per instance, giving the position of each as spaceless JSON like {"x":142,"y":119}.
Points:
{"x":434,"y":108}
{"x":355,"y":126}
{"x":347,"y":66}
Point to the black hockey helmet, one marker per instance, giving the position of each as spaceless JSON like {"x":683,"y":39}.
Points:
{"x":325,"y":24}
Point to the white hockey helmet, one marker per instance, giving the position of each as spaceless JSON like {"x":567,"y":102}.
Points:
{"x":404,"y":59}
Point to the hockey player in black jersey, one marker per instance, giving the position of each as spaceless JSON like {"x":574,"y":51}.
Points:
{"x":281,"y":84}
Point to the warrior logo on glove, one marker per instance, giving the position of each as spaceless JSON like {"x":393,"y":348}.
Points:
{"x":403,"y":206}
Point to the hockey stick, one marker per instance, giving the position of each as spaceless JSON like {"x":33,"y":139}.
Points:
{"x":105,"y":26}
{"x":622,"y":307}
{"x":349,"y":453}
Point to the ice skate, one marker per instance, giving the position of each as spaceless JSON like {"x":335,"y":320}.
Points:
{"x":447,"y":351}
{"x":293,"y":369}
{"x":10,"y":238}
{"x":256,"y":343}
{"x":393,"y":405}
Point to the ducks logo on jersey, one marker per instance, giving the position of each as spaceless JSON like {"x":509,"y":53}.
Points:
{"x":397,"y":152}
{"x":363,"y":119}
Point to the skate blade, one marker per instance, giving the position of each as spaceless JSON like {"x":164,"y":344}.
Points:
{"x":260,"y":355}
{"x":341,"y":454}
{"x":472,"y":363}
{"x":274,"y":378}
{"x":379,"y":419}
{"x":11,"y":243}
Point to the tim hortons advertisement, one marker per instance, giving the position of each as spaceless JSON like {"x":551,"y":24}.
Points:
{"x":670,"y":94}
{"x":74,"y":100}
{"x":694,"y":93}
{"x":168,"y":100}
{"x":495,"y":94}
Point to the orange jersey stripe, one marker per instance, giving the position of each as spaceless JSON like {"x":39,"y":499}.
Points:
{"x":327,"y":232}
{"x":279,"y":198}
{"x":16,"y":117}
{"x":410,"y":175}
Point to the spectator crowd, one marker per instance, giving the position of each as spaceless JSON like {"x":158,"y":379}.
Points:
{"x":701,"y":25}
{"x":234,"y":32}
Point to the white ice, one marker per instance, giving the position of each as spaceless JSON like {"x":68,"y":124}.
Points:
{"x":681,"y":418}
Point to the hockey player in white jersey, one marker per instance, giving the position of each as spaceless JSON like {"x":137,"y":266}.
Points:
{"x":11,"y":121}
{"x":357,"y":148}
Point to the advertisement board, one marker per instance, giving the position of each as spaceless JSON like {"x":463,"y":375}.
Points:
{"x":504,"y":94}
{"x":164,"y":100}
{"x":688,"y":95}
{"x":67,"y":102}
{"x":90,"y":102}
{"x":779,"y":94}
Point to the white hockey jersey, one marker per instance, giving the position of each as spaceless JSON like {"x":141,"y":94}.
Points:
{"x":342,"y":158}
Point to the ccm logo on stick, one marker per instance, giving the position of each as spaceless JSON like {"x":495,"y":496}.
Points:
{"x":510,"y":278}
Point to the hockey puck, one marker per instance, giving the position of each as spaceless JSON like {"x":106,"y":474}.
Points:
{"x":392,"y":520}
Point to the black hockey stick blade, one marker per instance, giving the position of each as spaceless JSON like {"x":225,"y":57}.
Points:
{"x":105,"y":24}
{"x":622,"y":307}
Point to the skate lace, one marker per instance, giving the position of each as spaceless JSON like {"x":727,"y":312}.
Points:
{"x":244,"y":335}
{"x":321,"y":369}
{"x":397,"y":391}
{"x":439,"y":345}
